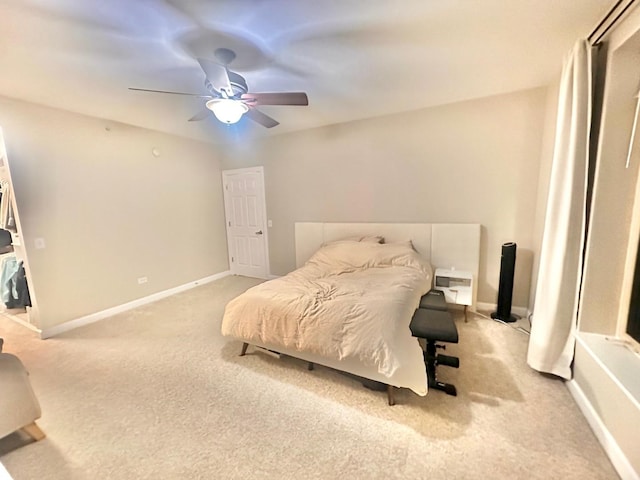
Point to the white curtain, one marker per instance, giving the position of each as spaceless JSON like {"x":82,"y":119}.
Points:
{"x":553,"y":324}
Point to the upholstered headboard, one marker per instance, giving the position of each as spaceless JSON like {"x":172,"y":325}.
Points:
{"x":445,"y":245}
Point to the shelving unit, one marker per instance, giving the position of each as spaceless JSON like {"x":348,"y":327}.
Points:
{"x":24,"y":315}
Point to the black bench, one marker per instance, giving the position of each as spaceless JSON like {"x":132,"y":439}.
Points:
{"x":434,"y":300}
{"x":435,"y":325}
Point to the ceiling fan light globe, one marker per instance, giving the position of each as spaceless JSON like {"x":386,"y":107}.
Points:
{"x":227,"y":110}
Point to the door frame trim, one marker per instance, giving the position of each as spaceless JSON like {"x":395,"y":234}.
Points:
{"x":236,"y":171}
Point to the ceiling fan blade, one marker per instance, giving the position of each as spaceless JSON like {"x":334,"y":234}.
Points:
{"x":217,"y":75}
{"x":201,"y":115}
{"x":261,"y":118}
{"x":276,"y":98}
{"x":172,"y":93}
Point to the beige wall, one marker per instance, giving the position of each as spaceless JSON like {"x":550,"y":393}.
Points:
{"x":110,"y":211}
{"x":476,"y":161}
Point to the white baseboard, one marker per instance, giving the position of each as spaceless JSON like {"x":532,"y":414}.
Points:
{"x":521,"y":312}
{"x":17,"y":319}
{"x":94,"y":317}
{"x":608,"y":442}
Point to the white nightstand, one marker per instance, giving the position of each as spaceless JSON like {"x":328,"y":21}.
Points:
{"x":457,"y":286}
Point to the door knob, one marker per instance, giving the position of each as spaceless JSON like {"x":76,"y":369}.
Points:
{"x":259,"y":232}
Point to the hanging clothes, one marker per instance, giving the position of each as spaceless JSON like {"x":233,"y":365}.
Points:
{"x":22,"y":298}
{"x":14,"y":290}
{"x":8,"y":270}
{"x":7,"y":217}
{"x":4,"y":186}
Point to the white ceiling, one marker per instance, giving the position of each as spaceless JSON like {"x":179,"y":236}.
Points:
{"x":354,"y":58}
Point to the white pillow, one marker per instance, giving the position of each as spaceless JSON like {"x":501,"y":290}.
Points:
{"x":365,"y":238}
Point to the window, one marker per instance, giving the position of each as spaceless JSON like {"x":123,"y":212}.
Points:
{"x":633,"y":321}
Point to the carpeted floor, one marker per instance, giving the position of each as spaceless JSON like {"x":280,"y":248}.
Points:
{"x":158,"y":393}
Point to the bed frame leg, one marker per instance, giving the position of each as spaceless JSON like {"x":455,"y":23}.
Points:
{"x":310,"y":366}
{"x":244,"y":349}
{"x":392,"y":400}
{"x":34,"y":431}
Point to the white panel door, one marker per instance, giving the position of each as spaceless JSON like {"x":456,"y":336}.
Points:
{"x":245,"y":211}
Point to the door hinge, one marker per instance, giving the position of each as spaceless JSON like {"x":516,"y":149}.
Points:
{"x":229,"y":223}
{"x":233,"y":259}
{"x":226,"y":186}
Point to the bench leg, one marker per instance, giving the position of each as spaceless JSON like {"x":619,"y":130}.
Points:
{"x":244,"y":349}
{"x":390,"y":397}
{"x":430,"y":358}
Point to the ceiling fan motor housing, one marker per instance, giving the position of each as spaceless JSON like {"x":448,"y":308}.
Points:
{"x":237,"y":82}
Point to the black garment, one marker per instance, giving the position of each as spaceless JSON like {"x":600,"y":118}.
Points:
{"x":23,"y":298}
{"x":5,"y":238}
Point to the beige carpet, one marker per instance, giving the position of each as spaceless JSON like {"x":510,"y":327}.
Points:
{"x":157,"y":393}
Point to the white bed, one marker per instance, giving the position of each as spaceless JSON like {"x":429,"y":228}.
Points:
{"x":442,"y":245}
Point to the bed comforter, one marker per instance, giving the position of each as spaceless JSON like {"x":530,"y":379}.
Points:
{"x":351,"y":300}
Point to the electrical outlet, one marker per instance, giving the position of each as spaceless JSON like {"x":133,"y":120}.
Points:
{"x":269,"y":223}
{"x":142,"y":280}
{"x":39,"y":243}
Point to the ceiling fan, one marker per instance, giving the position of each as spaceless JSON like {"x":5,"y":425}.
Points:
{"x":230,"y":98}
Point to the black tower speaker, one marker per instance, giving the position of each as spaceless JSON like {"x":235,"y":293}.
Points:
{"x":505,"y":289}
